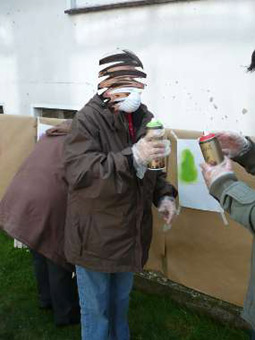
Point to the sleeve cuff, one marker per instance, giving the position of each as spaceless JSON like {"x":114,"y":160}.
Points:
{"x":221,"y":184}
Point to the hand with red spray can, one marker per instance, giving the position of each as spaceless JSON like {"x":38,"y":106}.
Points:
{"x":216,"y":165}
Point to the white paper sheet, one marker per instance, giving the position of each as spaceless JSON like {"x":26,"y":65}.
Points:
{"x":41,"y":129}
{"x":193,"y":192}
{"x":18,"y":244}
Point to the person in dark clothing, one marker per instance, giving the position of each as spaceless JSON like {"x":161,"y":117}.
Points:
{"x":236,"y":197}
{"x":251,"y":68}
{"x":33,"y":211}
{"x":109,"y":219}
{"x":57,"y":290}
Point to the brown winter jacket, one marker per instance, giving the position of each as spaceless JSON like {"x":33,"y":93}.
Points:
{"x":109,"y":219}
{"x":33,"y":208}
{"x":238,"y":199}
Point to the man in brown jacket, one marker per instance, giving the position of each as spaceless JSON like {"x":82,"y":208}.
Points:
{"x":109,"y":219}
{"x":33,"y":211}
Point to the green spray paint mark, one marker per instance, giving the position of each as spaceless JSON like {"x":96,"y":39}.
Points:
{"x":188,"y":173}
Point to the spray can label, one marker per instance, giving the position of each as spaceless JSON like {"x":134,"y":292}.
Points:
{"x":211,"y":149}
{"x":155,"y":131}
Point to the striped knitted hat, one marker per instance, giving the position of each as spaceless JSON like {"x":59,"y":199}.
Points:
{"x":118,"y":75}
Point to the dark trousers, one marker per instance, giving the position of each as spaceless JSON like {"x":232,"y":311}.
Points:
{"x":252,"y":335}
{"x":57,"y":289}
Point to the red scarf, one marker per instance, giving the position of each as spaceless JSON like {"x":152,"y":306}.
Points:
{"x":130,"y":126}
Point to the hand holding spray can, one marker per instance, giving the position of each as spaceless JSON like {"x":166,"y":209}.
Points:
{"x":155,"y":131}
{"x":211,"y":149}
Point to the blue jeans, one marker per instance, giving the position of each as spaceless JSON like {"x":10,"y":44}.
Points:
{"x":104,"y":300}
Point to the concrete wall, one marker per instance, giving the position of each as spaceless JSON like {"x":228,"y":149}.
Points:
{"x":194,"y":53}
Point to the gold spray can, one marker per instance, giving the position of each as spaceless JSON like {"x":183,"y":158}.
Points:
{"x":211,"y":149}
{"x":155,"y":131}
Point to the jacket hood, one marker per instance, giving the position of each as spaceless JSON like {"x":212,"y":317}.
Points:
{"x":60,"y":129}
{"x":115,"y":121}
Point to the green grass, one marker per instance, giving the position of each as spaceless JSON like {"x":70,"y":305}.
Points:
{"x":151,"y":317}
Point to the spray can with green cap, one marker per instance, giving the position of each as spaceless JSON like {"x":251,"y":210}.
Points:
{"x":156,"y":131}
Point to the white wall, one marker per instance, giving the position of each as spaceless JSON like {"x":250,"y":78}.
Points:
{"x":194,"y":53}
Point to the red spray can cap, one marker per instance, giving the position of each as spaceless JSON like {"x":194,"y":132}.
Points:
{"x":207,"y":137}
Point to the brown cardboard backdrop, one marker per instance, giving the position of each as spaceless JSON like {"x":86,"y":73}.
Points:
{"x":199,"y":251}
{"x":17,"y":139}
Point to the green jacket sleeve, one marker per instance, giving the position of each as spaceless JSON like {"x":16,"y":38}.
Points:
{"x":237,"y":198}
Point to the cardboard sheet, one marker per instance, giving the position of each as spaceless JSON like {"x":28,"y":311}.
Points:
{"x":202,"y":253}
{"x":17,"y":138}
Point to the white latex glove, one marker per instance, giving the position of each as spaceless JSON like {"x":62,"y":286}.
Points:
{"x":146,"y":150}
{"x":213,"y":172}
{"x":232,"y":143}
{"x":167,"y":209}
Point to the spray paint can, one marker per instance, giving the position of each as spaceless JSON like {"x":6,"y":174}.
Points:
{"x":211,"y":149}
{"x":155,"y":131}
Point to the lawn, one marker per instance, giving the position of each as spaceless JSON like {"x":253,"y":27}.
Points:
{"x":151,"y":317}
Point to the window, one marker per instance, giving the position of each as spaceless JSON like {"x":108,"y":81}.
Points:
{"x":54,"y":113}
{"x":1,"y":109}
{"x":85,"y":3}
{"x":83,"y":6}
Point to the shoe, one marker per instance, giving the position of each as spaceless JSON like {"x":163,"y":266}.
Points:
{"x":73,"y":321}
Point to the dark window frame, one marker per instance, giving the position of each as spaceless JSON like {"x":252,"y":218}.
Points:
{"x":122,"y":4}
{"x":54,"y":112}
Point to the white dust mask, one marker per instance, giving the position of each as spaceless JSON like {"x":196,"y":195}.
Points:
{"x":132,"y":102}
